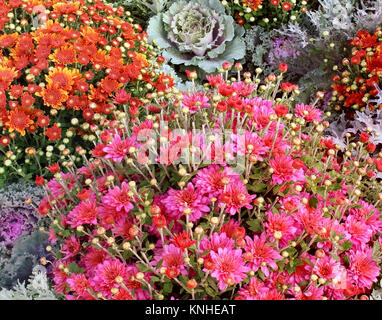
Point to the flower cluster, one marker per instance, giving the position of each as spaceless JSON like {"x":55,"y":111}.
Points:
{"x":358,"y":85}
{"x":228,"y":192}
{"x":267,"y":13}
{"x":61,"y":65}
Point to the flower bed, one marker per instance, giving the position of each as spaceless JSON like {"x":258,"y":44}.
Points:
{"x":61,"y":64}
{"x":358,"y":86}
{"x":166,"y":208}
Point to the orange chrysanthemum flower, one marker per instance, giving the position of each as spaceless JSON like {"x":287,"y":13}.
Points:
{"x":6,"y":77}
{"x":65,"y":55}
{"x":18,"y":120}
{"x":63,"y":78}
{"x":54,"y":132}
{"x":253,"y":4}
{"x":53,"y":96}
{"x":8,"y":40}
{"x":90,"y":34}
{"x":51,"y":27}
{"x":43,"y":121}
{"x":110,"y":85}
{"x":33,"y":3}
{"x":17,"y":90}
{"x":99,"y":57}
{"x":66,"y":8}
{"x":141,"y":60}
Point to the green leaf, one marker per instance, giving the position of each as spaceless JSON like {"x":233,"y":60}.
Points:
{"x":346,"y":260}
{"x":261,"y":274}
{"x":247,"y":16}
{"x":210,"y":292}
{"x":257,"y":188}
{"x":254,"y":225}
{"x":74,"y":268}
{"x":281,"y":265}
{"x":213,"y":285}
{"x":307,"y":261}
{"x":167,"y":288}
{"x":291,"y":251}
{"x":286,"y":191}
{"x":290,"y":269}
{"x":160,"y":263}
{"x":298,"y":262}
{"x":346,"y":245}
{"x":142,"y":267}
{"x":313,"y":201}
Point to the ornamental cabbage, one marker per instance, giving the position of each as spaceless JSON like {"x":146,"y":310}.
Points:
{"x":197,"y":33}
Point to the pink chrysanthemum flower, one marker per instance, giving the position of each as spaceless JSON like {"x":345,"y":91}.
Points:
{"x":360,"y":232}
{"x":119,"y":199}
{"x":369,"y":214}
{"x":259,"y":254}
{"x":229,"y":267}
{"x":58,"y":189}
{"x":195,"y":101}
{"x":80,"y":285}
{"x":144,"y":129}
{"x":60,"y":277}
{"x":290,"y":203}
{"x":121,"y":97}
{"x":333,"y":294}
{"x":242,"y":89}
{"x":236,"y":197}
{"x":216,"y":241}
{"x":215,"y":80}
{"x":283,"y":170}
{"x":311,"y":293}
{"x":109,"y":275}
{"x":230,"y":228}
{"x":308,"y":112}
{"x":280,"y":145}
{"x":252,"y":290}
{"x":261,"y":111}
{"x":172,"y":258}
{"x":188,"y":198}
{"x":327,"y":267}
{"x":139,"y":293}
{"x":209,"y":180}
{"x":93,"y":258}
{"x":363,"y":270}
{"x":303,"y":272}
{"x":270,"y":294}
{"x":313,"y":222}
{"x":118,"y":148}
{"x":250,"y":143}
{"x":84,"y":213}
{"x":281,"y":226}
{"x":71,"y":247}
{"x":123,"y":227}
